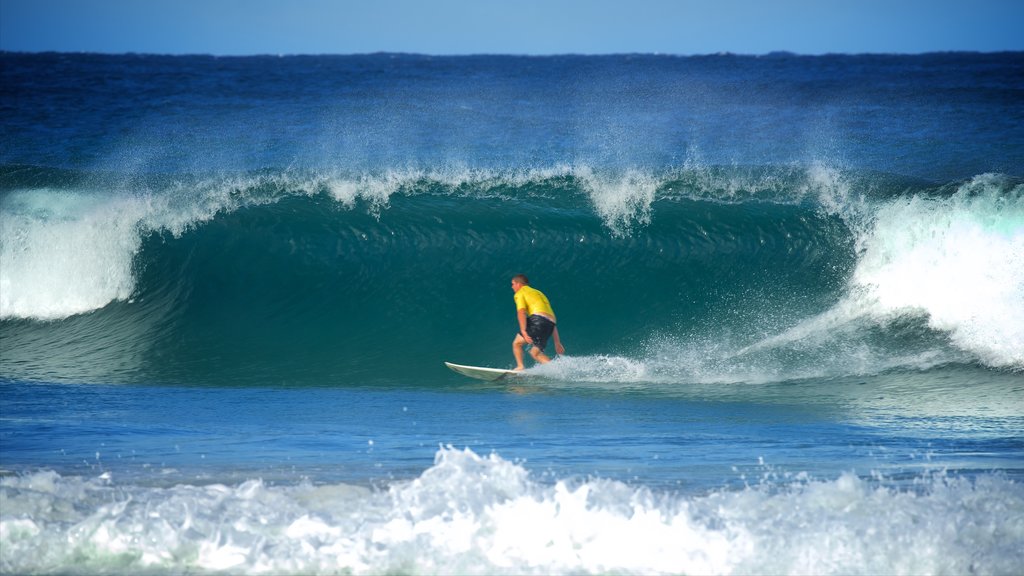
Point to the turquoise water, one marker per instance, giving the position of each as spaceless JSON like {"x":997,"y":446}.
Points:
{"x":790,"y":289}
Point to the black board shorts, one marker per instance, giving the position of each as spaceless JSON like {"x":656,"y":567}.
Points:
{"x":539,"y":329}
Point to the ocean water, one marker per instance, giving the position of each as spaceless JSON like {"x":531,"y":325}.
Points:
{"x":791,"y":291}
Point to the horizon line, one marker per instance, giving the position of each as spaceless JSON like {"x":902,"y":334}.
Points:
{"x":770,"y":53}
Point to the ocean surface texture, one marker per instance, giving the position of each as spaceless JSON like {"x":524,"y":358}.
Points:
{"x":791,"y":291}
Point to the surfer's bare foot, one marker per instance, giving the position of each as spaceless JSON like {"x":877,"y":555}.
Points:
{"x":519,"y":369}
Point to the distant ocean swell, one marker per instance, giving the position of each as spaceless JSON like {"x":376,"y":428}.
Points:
{"x":883,"y":271}
{"x":482,"y":514}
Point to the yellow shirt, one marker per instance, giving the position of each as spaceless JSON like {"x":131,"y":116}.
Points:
{"x":534,"y":301}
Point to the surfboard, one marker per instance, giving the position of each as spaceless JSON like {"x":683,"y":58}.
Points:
{"x":481,"y":373}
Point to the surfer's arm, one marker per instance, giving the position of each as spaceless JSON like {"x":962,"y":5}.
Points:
{"x":522,"y":325}
{"x":558,"y":342}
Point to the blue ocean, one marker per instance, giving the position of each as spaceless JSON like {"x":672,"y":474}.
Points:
{"x":790,"y":289}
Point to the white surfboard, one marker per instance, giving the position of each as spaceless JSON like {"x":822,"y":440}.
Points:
{"x":481,"y":373}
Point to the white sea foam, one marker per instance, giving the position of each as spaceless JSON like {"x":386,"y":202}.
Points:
{"x":959,"y":260}
{"x":70,"y":252}
{"x":471,"y":514}
{"x":956,"y":261}
{"x":65,"y":253}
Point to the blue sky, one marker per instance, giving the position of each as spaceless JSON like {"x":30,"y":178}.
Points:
{"x":239,"y":27}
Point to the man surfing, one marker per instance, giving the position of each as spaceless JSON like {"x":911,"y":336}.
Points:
{"x":536,"y":322}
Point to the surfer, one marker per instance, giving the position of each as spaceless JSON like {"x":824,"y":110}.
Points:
{"x":536,"y":322}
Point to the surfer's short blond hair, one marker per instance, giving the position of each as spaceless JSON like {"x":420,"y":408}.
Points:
{"x":521,"y":278}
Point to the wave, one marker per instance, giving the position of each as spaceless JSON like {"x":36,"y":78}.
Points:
{"x":56,"y":228}
{"x":469,"y":513}
{"x":706,"y":273}
{"x":956,"y":261}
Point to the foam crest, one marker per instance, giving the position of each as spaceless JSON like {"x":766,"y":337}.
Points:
{"x":959,"y":260}
{"x":376,"y":190}
{"x":66,"y":253}
{"x":378,"y":187}
{"x":956,"y":262}
{"x":622,"y":201}
{"x":482,"y":514}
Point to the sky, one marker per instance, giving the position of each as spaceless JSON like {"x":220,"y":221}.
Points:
{"x":533,"y":27}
